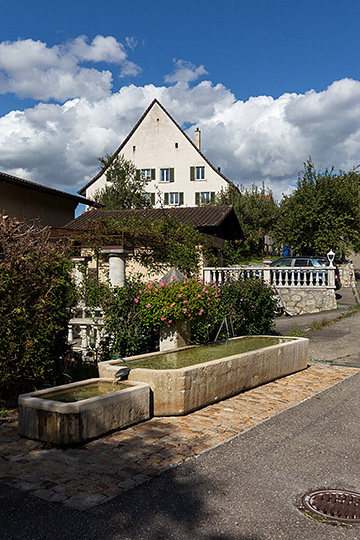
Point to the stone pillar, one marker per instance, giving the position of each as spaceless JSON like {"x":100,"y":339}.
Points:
{"x":78,"y":270}
{"x":178,"y":335}
{"x":117,"y":262}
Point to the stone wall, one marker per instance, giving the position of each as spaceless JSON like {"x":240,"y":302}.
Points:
{"x":347,"y":274}
{"x":297,"y":301}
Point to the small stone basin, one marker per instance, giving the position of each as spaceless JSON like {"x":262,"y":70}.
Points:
{"x":76,"y":412}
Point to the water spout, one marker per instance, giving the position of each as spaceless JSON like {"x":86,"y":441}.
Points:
{"x":122,"y":373}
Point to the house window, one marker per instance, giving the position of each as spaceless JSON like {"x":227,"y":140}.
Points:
{"x":150,"y":197}
{"x":204,"y":197}
{"x":197,"y":173}
{"x":146,"y":173}
{"x":174,"y":198}
{"x":200,"y":173}
{"x":165,"y":175}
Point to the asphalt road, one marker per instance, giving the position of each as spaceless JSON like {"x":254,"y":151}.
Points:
{"x":338,"y":343}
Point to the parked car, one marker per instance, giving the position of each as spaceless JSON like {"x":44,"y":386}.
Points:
{"x":310,"y":261}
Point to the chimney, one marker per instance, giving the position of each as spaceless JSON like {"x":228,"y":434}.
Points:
{"x":198,"y":138}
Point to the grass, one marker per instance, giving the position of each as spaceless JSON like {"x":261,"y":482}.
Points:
{"x":296,"y":331}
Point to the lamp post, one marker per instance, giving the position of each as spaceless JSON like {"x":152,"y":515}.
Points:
{"x":331,"y":256}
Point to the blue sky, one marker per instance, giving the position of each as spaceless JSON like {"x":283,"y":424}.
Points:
{"x":268,"y":82}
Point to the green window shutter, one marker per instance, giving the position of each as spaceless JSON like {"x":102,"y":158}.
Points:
{"x":172,"y":176}
{"x":212,"y":197}
{"x":137,"y":174}
{"x":181,"y":198}
{"x":197,"y":198}
{"x":152,"y":198}
{"x":192,"y":174}
{"x":166,"y":198}
{"x":153,"y":175}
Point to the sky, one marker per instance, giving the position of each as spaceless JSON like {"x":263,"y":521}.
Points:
{"x":268,"y":82}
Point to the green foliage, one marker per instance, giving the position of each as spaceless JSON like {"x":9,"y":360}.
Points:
{"x":250,"y":305}
{"x":257,"y":212}
{"x":134,"y":314}
{"x":323,"y":213}
{"x":125,"y":188}
{"x":128,"y":333}
{"x":162,"y":243}
{"x":36,"y":293}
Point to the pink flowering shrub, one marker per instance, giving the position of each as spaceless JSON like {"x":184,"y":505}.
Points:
{"x":166,"y":304}
{"x":134,"y":314}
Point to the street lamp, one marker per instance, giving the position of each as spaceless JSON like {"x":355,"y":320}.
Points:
{"x":331,"y":256}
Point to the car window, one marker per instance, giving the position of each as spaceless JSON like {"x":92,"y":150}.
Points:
{"x":282,"y":262}
{"x":302,"y":262}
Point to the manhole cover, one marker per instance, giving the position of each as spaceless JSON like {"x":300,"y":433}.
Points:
{"x":333,"y":505}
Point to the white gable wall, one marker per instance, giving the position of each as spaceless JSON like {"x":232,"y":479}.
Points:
{"x":158,"y":144}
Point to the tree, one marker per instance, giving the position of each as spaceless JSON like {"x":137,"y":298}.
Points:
{"x":126,"y":186}
{"x":323,"y":213}
{"x":36,"y":292}
{"x":256,"y":210}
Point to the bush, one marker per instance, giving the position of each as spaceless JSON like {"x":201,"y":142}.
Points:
{"x":35,"y":294}
{"x":128,"y":333}
{"x":249,"y":304}
{"x":135,"y":313}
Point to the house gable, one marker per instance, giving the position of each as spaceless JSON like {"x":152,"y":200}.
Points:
{"x":178,"y":171}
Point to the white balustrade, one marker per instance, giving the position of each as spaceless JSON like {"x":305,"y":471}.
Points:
{"x":279,"y":277}
{"x":85,"y":333}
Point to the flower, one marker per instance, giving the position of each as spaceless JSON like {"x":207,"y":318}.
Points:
{"x":148,"y":305}
{"x":180,"y":295}
{"x":185,"y":309}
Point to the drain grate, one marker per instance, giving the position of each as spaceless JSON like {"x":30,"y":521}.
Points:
{"x":333,"y":505}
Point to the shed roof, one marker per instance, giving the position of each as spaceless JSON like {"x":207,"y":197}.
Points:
{"x":220,"y":221}
{"x":27,"y":184}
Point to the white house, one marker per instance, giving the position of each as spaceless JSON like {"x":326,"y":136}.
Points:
{"x":178,"y":172}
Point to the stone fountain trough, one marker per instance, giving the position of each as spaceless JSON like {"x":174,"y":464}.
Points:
{"x":193,"y":377}
{"x":76,"y":412}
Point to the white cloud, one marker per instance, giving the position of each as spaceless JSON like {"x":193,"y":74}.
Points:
{"x":259,"y":140}
{"x":31,"y":69}
{"x":185,"y":72}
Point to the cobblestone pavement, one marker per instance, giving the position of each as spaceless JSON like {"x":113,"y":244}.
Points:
{"x":95,"y":472}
